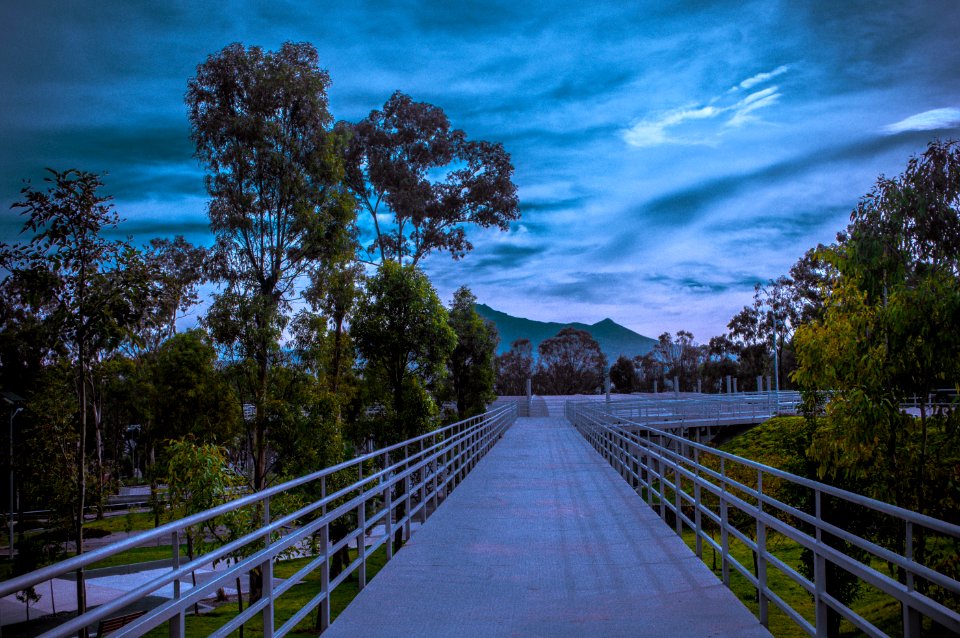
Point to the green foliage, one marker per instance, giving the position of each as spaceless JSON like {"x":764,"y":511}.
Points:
{"x":623,"y":375}
{"x":261,"y":125}
{"x":192,"y":397}
{"x":570,"y":363}
{"x":514,"y":367}
{"x":470,"y":367}
{"x":404,"y":339}
{"x":393,"y":160}
{"x":883,"y":338}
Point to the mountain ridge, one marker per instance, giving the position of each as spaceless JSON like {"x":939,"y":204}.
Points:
{"x":613,"y":338}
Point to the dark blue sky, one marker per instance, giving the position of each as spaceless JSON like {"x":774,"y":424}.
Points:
{"x":667,"y":157}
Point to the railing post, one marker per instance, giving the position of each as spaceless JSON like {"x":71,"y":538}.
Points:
{"x":423,"y":484}
{"x":408,"y":501}
{"x":362,"y":534}
{"x":697,"y":516}
{"x":266,"y":569}
{"x":323,"y":612}
{"x":911,"y":617}
{"x":724,"y":524}
{"x":177,"y":624}
{"x":762,"y":600}
{"x":819,"y":578}
{"x":388,"y":505}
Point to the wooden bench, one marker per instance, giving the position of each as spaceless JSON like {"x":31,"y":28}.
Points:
{"x":108,"y":625}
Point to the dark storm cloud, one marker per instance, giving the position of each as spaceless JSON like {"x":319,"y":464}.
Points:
{"x":656,"y":145}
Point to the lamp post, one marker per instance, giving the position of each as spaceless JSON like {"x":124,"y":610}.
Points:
{"x":10,"y":520}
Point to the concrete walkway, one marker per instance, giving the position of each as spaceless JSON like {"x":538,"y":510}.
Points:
{"x":543,"y":538}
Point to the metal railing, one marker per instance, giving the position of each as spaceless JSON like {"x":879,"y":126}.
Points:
{"x":670,"y":411}
{"x":393,"y":487}
{"x":707,"y":492}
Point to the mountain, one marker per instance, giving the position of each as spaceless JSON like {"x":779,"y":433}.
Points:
{"x":613,"y":338}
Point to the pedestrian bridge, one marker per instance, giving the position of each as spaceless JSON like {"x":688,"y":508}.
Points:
{"x":609,"y":519}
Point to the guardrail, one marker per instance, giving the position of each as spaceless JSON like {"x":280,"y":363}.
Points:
{"x":706,"y":491}
{"x":669,"y":411}
{"x":394,"y":486}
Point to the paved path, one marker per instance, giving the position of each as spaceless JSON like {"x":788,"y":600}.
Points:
{"x":544,"y":539}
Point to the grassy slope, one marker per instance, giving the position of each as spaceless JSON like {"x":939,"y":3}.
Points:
{"x":766,"y":444}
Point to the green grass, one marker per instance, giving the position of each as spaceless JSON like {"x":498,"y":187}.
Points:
{"x":772,"y":443}
{"x":131,"y":521}
{"x":285,"y":606}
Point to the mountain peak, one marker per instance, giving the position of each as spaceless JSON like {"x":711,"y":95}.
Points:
{"x":614,"y":339}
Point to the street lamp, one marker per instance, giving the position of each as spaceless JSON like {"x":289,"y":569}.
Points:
{"x":11,"y":399}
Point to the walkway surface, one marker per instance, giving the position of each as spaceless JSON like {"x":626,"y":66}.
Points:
{"x":543,"y":538}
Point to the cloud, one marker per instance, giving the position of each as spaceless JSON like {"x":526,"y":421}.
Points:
{"x":760,"y":78}
{"x":926,"y":121}
{"x":677,"y":126}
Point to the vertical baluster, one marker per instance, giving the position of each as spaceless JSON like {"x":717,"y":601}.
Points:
{"x":362,"y":532}
{"x":911,"y":617}
{"x":388,"y":506}
{"x":819,"y":576}
{"x":266,"y":569}
{"x":323,"y":613}
{"x":177,"y":624}
{"x":724,"y":534}
{"x":697,"y":516}
{"x":761,"y":553}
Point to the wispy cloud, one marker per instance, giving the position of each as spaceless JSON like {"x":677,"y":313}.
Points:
{"x":674,"y":126}
{"x":926,"y":121}
{"x":760,"y":78}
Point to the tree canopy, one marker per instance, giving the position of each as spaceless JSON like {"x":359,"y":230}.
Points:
{"x":402,"y":334}
{"x":262,"y":129}
{"x":570,"y":363}
{"x":422,"y":181}
{"x":470,"y":367}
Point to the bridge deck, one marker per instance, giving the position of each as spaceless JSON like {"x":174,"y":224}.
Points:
{"x":545,"y":539}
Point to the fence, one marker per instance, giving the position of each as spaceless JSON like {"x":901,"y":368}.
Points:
{"x":393,"y":487}
{"x":706,"y":491}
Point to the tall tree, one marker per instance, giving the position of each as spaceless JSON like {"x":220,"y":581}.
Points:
{"x":884,"y":339}
{"x":422,"y":181}
{"x":402,"y":334}
{"x":514,"y":367}
{"x":570,"y":363}
{"x":87,"y":289}
{"x":471,"y":363}
{"x":262,"y":129}
{"x":623,"y":375}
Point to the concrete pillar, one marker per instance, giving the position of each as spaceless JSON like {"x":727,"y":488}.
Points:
{"x":759,"y":383}
{"x":606,"y":385}
{"x":654,"y":386}
{"x":769,"y":387}
{"x":529,"y":387}
{"x":729,"y":385}
{"x":699,"y":386}
{"x":734,"y":385}
{"x":676,"y":386}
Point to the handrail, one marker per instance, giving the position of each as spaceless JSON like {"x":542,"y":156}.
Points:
{"x":668,"y":470}
{"x":394,"y":485}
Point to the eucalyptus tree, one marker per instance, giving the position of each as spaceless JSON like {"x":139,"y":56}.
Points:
{"x":179,"y":268}
{"x":471,"y":364}
{"x":514,"y":367}
{"x":422,"y":181}
{"x":402,"y":335}
{"x":571,"y":362}
{"x":262,"y":129}
{"x":89,"y":291}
